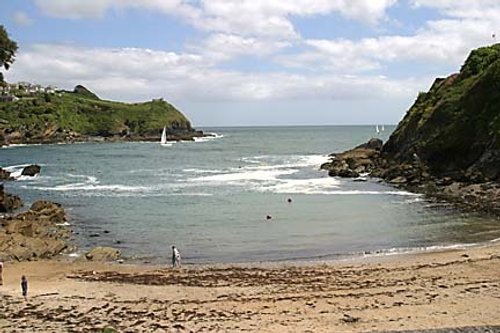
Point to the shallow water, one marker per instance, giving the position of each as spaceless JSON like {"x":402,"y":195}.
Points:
{"x":211,"y":198}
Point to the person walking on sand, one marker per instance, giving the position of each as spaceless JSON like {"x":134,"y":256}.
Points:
{"x":176,"y":257}
{"x":24,"y":287}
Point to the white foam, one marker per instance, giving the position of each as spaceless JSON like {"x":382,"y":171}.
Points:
{"x":261,"y":174}
{"x":302,"y":186}
{"x":203,"y":171}
{"x":409,"y":250}
{"x":16,"y":170}
{"x":64,"y":224}
{"x":91,"y":187}
{"x":17,"y":145}
{"x":208,"y":137}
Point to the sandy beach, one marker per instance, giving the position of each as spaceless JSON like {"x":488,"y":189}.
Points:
{"x":459,"y":288}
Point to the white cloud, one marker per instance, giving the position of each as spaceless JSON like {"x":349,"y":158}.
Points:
{"x":80,"y":9}
{"x":242,"y":17}
{"x":220,"y":47}
{"x":138,"y":74}
{"x":444,"y":41}
{"x":22,"y":19}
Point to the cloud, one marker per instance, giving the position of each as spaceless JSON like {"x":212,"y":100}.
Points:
{"x":220,"y":47}
{"x":242,"y":17}
{"x":22,"y":19}
{"x":137,"y":74}
{"x":91,"y":9}
{"x":445,"y":41}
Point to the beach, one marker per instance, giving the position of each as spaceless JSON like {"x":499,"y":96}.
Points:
{"x":448,"y":289}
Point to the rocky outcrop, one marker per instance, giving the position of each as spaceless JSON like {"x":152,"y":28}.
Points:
{"x":454,"y":129}
{"x":448,"y":144}
{"x":351,"y":163}
{"x":35,"y":234}
{"x":81,"y":90}
{"x":103,"y":254}
{"x":31,"y":170}
{"x":5,"y":175}
{"x":8,"y":202}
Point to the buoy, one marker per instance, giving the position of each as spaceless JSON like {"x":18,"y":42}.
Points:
{"x":268,"y":217}
{"x":289,"y":200}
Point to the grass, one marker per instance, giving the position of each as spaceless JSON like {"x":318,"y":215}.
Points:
{"x":454,"y":123}
{"x":86,"y":115}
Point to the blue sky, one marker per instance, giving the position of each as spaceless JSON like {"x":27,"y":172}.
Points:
{"x":251,"y":62}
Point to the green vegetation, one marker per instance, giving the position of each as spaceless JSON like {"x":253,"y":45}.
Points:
{"x":8,"y":50}
{"x":53,"y":117}
{"x":455,"y":127}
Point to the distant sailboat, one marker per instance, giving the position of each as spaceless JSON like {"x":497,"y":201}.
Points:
{"x":376,"y":129}
{"x":163,"y":140}
{"x":382,"y":129}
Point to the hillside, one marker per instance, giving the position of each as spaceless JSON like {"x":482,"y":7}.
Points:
{"x":454,"y":129}
{"x":448,"y":144}
{"x":79,"y":115}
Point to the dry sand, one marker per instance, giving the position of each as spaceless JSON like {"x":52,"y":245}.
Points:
{"x":434,"y":290}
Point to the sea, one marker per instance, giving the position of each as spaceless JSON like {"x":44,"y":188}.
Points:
{"x":212,"y":198}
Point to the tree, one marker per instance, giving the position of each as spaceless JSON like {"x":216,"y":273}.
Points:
{"x":8,"y":50}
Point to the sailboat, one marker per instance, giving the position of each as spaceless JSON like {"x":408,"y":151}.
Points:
{"x":163,"y":140}
{"x":382,"y":129}
{"x":376,"y":129}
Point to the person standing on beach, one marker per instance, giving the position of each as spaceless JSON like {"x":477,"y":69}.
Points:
{"x":1,"y":273}
{"x":176,"y":257}
{"x":24,"y":287}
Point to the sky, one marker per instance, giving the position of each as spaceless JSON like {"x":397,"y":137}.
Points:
{"x":251,"y":62}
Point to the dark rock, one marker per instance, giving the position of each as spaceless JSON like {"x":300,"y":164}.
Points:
{"x":374,"y":144}
{"x":31,"y":170}
{"x":5,"y":175}
{"x":8,"y":202}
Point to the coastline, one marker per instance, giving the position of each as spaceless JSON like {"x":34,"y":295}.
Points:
{"x":452,"y":288}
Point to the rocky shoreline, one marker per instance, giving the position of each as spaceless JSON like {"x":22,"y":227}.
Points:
{"x":41,"y":232}
{"x":16,"y":138}
{"x":415,"y":176}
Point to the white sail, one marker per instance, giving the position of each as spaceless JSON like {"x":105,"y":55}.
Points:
{"x":163,"y":140}
{"x":376,"y":129}
{"x":164,"y":136}
{"x":382,"y":129}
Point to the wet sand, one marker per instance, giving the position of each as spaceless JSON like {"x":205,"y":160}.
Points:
{"x":459,"y":288}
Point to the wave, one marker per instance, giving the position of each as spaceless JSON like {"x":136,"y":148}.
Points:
{"x":245,"y":176}
{"x":17,"y":145}
{"x":208,"y":137}
{"x":16,"y":170}
{"x":419,"y":249}
{"x":92,"y":187}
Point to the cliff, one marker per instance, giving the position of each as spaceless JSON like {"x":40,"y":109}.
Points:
{"x":448,"y":144}
{"x":454,"y":129}
{"x":78,"y":115}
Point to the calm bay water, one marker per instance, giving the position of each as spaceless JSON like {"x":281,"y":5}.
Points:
{"x":210,"y":198}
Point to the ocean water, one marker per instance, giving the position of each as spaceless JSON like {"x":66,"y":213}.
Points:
{"x":211,"y":197}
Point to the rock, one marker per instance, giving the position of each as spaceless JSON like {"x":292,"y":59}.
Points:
{"x":5,"y":175}
{"x":8,"y":202}
{"x":374,"y":144}
{"x":34,"y":234}
{"x":103,"y":254}
{"x":398,"y":180}
{"x":31,"y":170}
{"x":349,"y":164}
